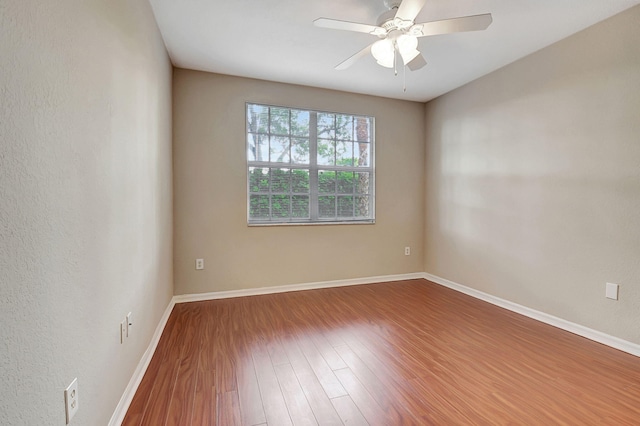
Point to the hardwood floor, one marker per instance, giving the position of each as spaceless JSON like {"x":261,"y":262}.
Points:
{"x":408,"y":352}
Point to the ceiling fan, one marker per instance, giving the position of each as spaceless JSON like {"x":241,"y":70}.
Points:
{"x":399,"y":33}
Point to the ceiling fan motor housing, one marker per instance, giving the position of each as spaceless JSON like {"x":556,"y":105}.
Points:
{"x":386,"y":19}
{"x":389,"y":21}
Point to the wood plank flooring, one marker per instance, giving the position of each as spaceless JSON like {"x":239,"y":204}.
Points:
{"x":402,"y":353}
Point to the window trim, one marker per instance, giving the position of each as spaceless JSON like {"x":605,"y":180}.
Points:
{"x":312,"y":166}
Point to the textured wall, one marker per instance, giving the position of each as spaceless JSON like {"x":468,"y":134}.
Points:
{"x":210,"y":191}
{"x":533,"y":179}
{"x":85,"y":202}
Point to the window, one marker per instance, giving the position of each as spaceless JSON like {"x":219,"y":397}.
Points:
{"x":309,"y":166}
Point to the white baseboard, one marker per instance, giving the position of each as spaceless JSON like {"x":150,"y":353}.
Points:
{"x":294,"y":287}
{"x":580,"y":330}
{"x":138,"y":374}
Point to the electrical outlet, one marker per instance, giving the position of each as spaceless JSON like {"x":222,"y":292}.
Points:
{"x":199,"y":264}
{"x":123,"y":330}
{"x":407,"y":251}
{"x":71,"y":400}
{"x":129,"y":323}
{"x":611,"y":291}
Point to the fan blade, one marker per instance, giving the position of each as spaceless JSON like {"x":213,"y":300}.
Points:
{"x":353,"y":59}
{"x":334,"y":24}
{"x":454,"y":25}
{"x":409,"y":9}
{"x":417,"y":63}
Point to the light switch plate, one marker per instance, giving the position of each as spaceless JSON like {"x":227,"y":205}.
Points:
{"x":611,"y":291}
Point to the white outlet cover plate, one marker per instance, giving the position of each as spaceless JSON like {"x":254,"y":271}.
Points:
{"x":71,"y":400}
{"x":199,"y":264}
{"x":123,"y":330}
{"x":612,"y":291}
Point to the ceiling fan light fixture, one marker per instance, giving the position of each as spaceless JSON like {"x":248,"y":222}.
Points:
{"x":383,"y":52}
{"x":409,"y":56}
{"x":407,"y":46}
{"x":407,"y":43}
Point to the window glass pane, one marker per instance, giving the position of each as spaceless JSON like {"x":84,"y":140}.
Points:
{"x":326,"y":125}
{"x":362,"y":183}
{"x":280,"y":180}
{"x":344,"y":154}
{"x":257,"y":119}
{"x":326,"y":182}
{"x":280,"y":206}
{"x":363,"y":129}
{"x":257,"y":147}
{"x":279,"y":121}
{"x":326,"y":152}
{"x":251,"y":154}
{"x":300,"y":206}
{"x":344,"y":127}
{"x":258,"y":179}
{"x":279,"y":149}
{"x":300,"y":150}
{"x":344,"y":182}
{"x":299,"y":122}
{"x":363,"y":152}
{"x":345,"y":206}
{"x":259,"y":207}
{"x":362,"y":206}
{"x":300,"y":181}
{"x":327,"y":207}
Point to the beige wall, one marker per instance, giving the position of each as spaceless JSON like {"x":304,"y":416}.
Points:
{"x":210,"y":191}
{"x":85,"y":202}
{"x":533,"y":180}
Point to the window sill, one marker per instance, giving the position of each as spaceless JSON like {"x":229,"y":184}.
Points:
{"x":360,"y":222}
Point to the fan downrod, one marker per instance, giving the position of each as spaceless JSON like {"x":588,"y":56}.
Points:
{"x":392,"y":4}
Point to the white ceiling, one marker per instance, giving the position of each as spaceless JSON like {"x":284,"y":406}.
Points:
{"x":276,"y":40}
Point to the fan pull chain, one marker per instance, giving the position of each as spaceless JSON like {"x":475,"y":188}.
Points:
{"x":404,"y":79}
{"x":395,"y":60}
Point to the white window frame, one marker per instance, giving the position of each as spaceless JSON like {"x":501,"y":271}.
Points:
{"x":313,"y":167}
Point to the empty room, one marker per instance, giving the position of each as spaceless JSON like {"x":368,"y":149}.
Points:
{"x":340,"y":212}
